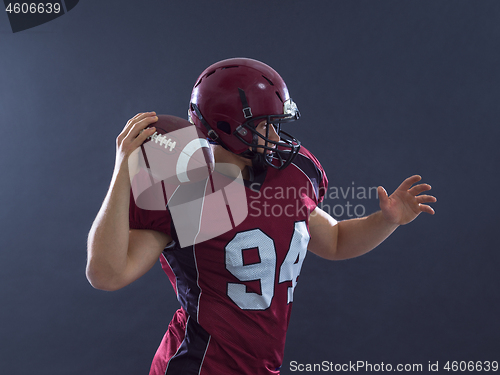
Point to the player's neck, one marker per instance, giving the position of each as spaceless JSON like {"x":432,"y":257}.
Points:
{"x":222,"y":155}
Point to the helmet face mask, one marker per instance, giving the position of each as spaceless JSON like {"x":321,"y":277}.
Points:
{"x":275,"y":154}
{"x":232,"y":97}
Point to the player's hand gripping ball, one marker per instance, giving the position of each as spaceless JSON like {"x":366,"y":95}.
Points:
{"x":177,"y":153}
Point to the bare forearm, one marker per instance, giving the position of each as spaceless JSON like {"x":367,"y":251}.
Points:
{"x":109,"y":236}
{"x":358,"y":236}
{"x":351,"y":238}
{"x":115,"y":256}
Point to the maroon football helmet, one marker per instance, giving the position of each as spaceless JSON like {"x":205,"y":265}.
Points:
{"x":231,"y":97}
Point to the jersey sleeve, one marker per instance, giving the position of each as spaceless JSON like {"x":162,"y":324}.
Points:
{"x":315,"y":172}
{"x":139,"y":218}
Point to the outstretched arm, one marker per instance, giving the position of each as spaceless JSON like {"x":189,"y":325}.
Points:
{"x":351,"y":238}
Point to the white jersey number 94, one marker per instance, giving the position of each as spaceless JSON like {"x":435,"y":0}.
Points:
{"x":265,"y":270}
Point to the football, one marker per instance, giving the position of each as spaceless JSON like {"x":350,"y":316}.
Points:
{"x":175,"y":168}
{"x":177,"y":153}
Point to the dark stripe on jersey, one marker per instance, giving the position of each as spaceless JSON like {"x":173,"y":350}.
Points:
{"x":256,"y":179}
{"x":189,"y":357}
{"x":301,"y":161}
{"x":183,"y":265}
{"x":307,"y":166}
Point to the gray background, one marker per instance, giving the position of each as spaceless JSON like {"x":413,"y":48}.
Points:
{"x":386,"y":89}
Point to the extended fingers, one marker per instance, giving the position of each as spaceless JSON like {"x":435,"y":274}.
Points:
{"x":426,"y":199}
{"x":420,"y":188}
{"x":406,"y":184}
{"x":420,"y":199}
{"x":427,"y":209}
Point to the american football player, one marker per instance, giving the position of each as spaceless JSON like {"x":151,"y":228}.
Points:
{"x":236,"y":289}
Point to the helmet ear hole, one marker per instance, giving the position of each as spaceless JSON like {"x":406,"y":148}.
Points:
{"x":224,"y":126}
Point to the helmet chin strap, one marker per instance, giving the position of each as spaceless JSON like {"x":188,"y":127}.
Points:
{"x":259,"y":162}
{"x":258,"y":159}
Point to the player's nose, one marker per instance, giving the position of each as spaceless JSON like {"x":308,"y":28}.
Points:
{"x":273,"y":135}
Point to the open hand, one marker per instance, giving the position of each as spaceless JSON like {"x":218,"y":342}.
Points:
{"x":406,"y":203}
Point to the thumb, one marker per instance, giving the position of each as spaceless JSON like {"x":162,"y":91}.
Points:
{"x":382,"y":196}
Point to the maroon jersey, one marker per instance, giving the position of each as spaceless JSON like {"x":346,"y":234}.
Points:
{"x":236,"y":290}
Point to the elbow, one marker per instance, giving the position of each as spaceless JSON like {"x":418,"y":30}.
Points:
{"x":326,"y":251}
{"x":101,"y":280}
